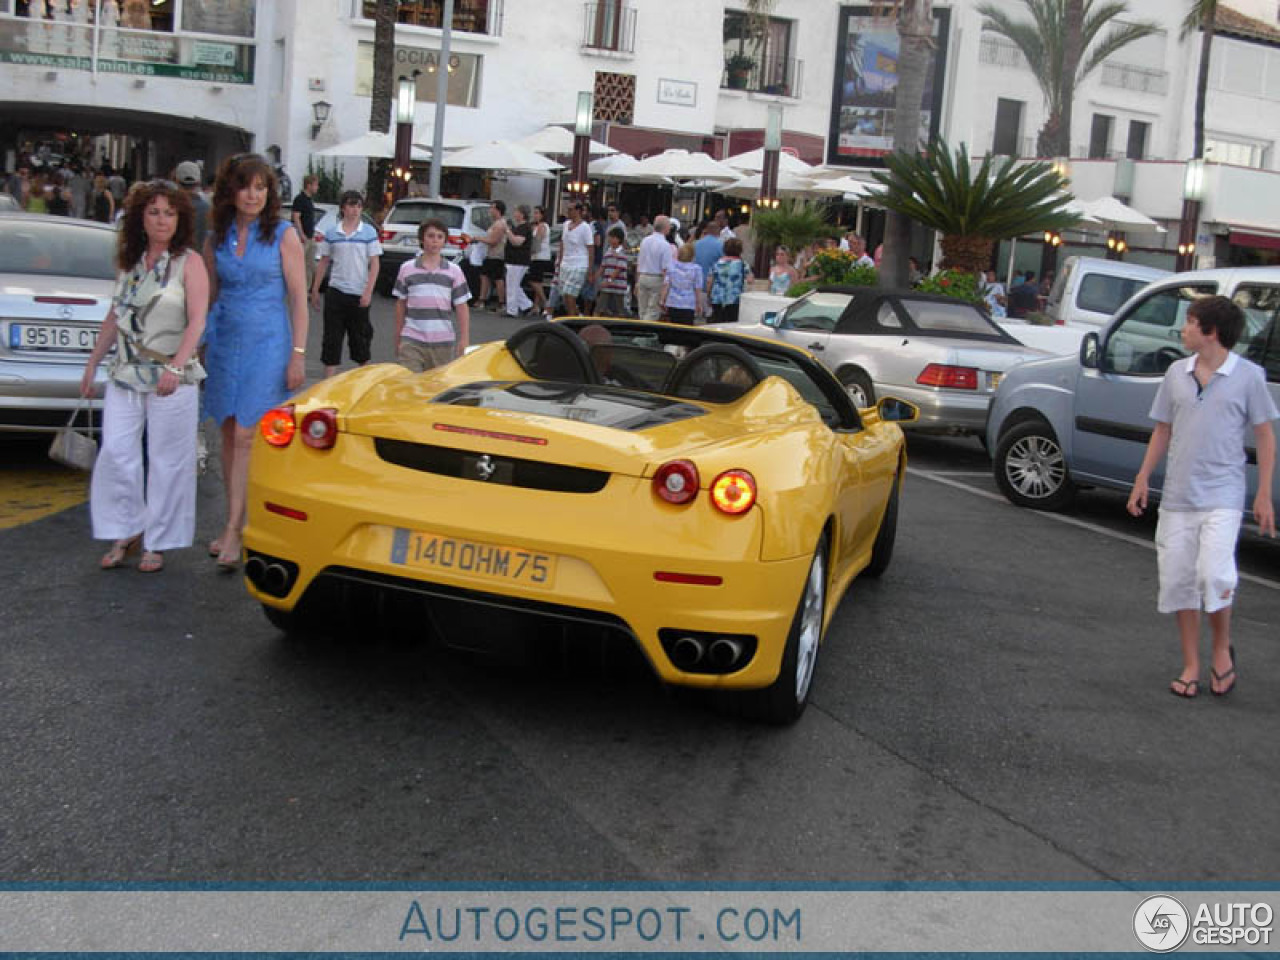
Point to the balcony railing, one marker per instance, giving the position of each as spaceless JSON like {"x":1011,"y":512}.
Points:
{"x":609,"y":25}
{"x":780,"y":76}
{"x":1000,"y":52}
{"x":469,"y":16}
{"x":1129,"y":77}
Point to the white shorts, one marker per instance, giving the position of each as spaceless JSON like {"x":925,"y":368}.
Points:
{"x":1196,"y":555}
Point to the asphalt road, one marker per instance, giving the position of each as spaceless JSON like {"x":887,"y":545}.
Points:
{"x":994,"y":709}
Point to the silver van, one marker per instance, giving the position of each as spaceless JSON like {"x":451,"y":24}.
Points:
{"x":1077,"y":421}
{"x":1089,"y":290}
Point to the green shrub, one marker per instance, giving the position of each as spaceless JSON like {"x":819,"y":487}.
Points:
{"x":960,"y":284}
{"x":800,"y":289}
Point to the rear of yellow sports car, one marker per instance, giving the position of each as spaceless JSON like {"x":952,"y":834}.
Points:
{"x":687,"y":526}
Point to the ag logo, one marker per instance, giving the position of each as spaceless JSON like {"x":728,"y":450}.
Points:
{"x":1161,"y":924}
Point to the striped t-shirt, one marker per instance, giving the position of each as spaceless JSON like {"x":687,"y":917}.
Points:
{"x":430,"y":296}
{"x":613,"y":271}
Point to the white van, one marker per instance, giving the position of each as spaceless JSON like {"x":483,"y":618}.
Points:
{"x":1089,"y":290}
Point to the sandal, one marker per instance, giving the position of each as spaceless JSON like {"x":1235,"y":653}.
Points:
{"x":152,"y":562}
{"x":1224,"y":677}
{"x":227,"y":561}
{"x":119,"y":550}
{"x":1189,"y":688}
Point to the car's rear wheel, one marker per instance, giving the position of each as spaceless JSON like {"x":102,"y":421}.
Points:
{"x":882,"y":549}
{"x":1031,"y":469}
{"x":784,"y":700}
{"x":858,"y":385}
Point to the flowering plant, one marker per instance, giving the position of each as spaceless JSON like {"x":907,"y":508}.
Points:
{"x":960,"y":284}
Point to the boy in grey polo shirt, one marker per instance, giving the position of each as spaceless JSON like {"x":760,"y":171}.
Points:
{"x":1205,"y":404}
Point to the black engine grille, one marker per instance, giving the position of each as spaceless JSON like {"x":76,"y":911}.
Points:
{"x":489,"y":468}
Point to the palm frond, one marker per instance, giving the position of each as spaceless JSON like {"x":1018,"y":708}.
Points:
{"x":1199,"y":13}
{"x":942,"y":190}
{"x":1118,"y":38}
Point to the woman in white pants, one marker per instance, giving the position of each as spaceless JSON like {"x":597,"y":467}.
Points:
{"x":519,"y":252}
{"x":156,"y":320}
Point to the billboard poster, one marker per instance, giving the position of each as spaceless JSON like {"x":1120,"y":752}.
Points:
{"x":866,"y":83}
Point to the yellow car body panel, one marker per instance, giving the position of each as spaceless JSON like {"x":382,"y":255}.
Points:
{"x":349,"y":510}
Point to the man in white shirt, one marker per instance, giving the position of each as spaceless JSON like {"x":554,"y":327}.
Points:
{"x":576,"y":245}
{"x":651,"y":267}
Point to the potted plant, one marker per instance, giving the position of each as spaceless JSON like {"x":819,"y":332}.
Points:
{"x":738,"y":67}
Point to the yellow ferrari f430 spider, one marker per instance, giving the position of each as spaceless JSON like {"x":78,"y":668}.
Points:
{"x":708,"y":496}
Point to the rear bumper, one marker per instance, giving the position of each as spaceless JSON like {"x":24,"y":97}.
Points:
{"x":606,"y":548}
{"x":964,"y":412}
{"x":40,"y":397}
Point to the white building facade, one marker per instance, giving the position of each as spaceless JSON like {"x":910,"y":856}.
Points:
{"x":198,"y":79}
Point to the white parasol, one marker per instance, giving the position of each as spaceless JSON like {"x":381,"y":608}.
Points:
{"x":1114,"y":215}
{"x":559,"y":141}
{"x":502,"y":155}
{"x":683,"y":165}
{"x":371,"y":144}
{"x":789,"y":185}
{"x":753,"y":162}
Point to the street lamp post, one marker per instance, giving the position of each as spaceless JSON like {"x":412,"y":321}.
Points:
{"x":772,"y":148}
{"x":1192,"y":195}
{"x":405,"y":103}
{"x":1052,"y":238}
{"x":442,"y":96}
{"x":580,"y":185}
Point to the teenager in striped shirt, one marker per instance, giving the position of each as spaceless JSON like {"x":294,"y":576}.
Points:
{"x":433,"y":321}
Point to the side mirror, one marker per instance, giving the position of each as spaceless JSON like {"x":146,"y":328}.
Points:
{"x":1089,"y":351}
{"x":898,"y":411}
{"x":770,"y":319}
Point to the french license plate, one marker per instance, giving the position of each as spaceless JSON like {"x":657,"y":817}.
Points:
{"x":50,"y":336}
{"x":417,"y":548}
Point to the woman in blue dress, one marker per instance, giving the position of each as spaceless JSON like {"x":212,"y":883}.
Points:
{"x":255,"y":346}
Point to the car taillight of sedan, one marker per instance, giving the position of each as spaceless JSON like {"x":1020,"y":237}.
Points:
{"x":385,"y":236}
{"x":945,"y":375}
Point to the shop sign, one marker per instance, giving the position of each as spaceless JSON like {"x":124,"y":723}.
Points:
{"x":213,"y":54}
{"x":681,"y":93}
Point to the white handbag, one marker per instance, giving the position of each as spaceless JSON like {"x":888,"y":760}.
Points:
{"x":72,"y":448}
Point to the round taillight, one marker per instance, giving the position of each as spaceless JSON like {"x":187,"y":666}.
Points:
{"x":676,"y":482}
{"x":320,"y":429}
{"x":277,"y":426}
{"x":734,"y":491}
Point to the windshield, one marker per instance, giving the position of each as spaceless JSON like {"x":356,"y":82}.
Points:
{"x":415,"y":213}
{"x":1103,"y":294}
{"x":818,"y":311}
{"x":53,"y":249}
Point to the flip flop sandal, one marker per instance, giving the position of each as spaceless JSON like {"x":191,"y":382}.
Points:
{"x":152,"y":562}
{"x":1190,"y":688}
{"x":1224,"y":677}
{"x":119,"y":550}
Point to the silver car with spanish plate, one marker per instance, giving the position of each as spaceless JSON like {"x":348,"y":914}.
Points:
{"x":56,"y":280}
{"x":943,"y":355}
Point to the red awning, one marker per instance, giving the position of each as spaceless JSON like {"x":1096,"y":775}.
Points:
{"x":1240,"y":238}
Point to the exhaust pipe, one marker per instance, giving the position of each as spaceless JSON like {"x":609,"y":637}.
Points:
{"x":275,"y":579}
{"x":687,"y":652}
{"x":254,"y":568}
{"x":724,"y":653}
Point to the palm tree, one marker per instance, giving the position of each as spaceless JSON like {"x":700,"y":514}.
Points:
{"x":973,"y":209}
{"x":384,"y":63}
{"x":1202,"y":16}
{"x":1043,"y":42}
{"x":915,"y":39}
